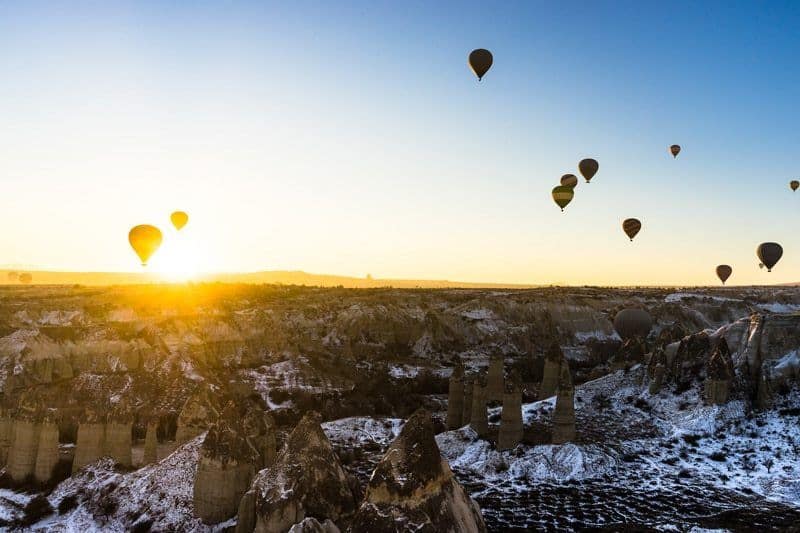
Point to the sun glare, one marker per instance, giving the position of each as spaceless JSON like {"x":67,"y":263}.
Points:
{"x":177,"y":260}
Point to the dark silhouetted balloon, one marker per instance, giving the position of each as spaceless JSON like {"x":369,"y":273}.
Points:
{"x":588,"y":168}
{"x":794,"y":184}
{"x":569,"y":180}
{"x":769,"y":253}
{"x":25,"y":278}
{"x":761,"y":266}
{"x":631,"y":323}
{"x":724,"y":272}
{"x":631,"y":227}
{"x":480,"y":61}
{"x":562,"y":195}
{"x":179,"y":219}
{"x":675,"y":149}
{"x":145,"y":240}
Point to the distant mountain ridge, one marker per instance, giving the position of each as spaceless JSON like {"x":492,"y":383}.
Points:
{"x":285,"y":277}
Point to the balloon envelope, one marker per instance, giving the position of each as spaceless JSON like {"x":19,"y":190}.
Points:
{"x":13,"y":276}
{"x":569,"y":180}
{"x":794,"y":184}
{"x":562,"y":195}
{"x":179,"y":219}
{"x":588,"y":168}
{"x":631,"y":323}
{"x":631,"y":227}
{"x":25,"y":278}
{"x":675,"y":149}
{"x":769,"y":253}
{"x":145,"y":240}
{"x":480,"y":61}
{"x":724,"y":272}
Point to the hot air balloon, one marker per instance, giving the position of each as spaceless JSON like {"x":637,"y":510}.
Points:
{"x":13,"y":276}
{"x":562,"y":195}
{"x":480,"y":61}
{"x":675,"y":149}
{"x":769,"y":253}
{"x":179,"y":219}
{"x":588,"y":168}
{"x":631,"y":323}
{"x":569,"y":180}
{"x":794,"y":184}
{"x":25,"y":278}
{"x":145,"y":240}
{"x":724,"y":272}
{"x":631,"y":227}
{"x":761,"y":266}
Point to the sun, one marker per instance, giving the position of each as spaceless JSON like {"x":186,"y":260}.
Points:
{"x":176,"y":260}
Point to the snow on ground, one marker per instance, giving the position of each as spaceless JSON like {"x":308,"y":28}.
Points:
{"x":362,"y":429}
{"x":678,"y":296}
{"x":780,"y":307}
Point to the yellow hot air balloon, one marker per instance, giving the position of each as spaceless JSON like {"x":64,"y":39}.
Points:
{"x":794,"y":184}
{"x":588,"y":168}
{"x":145,"y":240}
{"x":179,"y":219}
{"x":562,"y":195}
{"x":25,"y":278}
{"x":631,"y":227}
{"x":675,"y":149}
{"x":480,"y":61}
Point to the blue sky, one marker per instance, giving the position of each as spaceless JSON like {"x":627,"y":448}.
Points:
{"x":352,"y":138}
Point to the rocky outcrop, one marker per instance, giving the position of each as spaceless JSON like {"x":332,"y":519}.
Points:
{"x":495,"y":381}
{"x":197,"y":415}
{"x":511,"y":419}
{"x":6,"y":433}
{"x":413,"y":489}
{"x":656,"y":369}
{"x":553,"y":360}
{"x":466,"y":413}
{"x":246,"y":514}
{"x":312,"y":525}
{"x":631,"y":353}
{"x":306,"y":480}
{"x":564,"y":413}
{"x":455,"y":397}
{"x":239,"y":444}
{"x":118,"y":442}
{"x":478,"y":420}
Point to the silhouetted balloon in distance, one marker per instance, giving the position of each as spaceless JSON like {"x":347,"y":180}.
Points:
{"x":761,"y":266}
{"x":794,"y":184}
{"x":769,"y":253}
{"x":675,"y":149}
{"x":588,"y":168}
{"x":13,"y":276}
{"x":25,"y":278}
{"x":631,"y":323}
{"x":562,"y":195}
{"x":724,"y":272}
{"x":480,"y":61}
{"x":145,"y":240}
{"x":631,"y":227}
{"x":179,"y":219}
{"x":569,"y":180}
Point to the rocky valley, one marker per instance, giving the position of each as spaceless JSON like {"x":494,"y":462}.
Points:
{"x":271,"y":408}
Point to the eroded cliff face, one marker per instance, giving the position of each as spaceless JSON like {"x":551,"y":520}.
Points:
{"x":413,"y":488}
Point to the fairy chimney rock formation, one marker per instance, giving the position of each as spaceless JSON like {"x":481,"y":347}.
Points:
{"x":495,"y":378}
{"x":90,"y":442}
{"x":47,"y":451}
{"x":511,"y":428}
{"x":22,"y":453}
{"x":118,"y":439}
{"x":466,"y":412}
{"x":719,"y":374}
{"x":233,"y":450}
{"x":656,"y":369}
{"x":564,"y":414}
{"x":552,"y":368}
{"x":478,"y":420}
{"x":306,"y":480}
{"x":455,"y":396}
{"x":413,"y":489}
{"x":151,"y":443}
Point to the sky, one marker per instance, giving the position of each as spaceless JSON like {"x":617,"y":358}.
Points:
{"x":351,"y":138}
